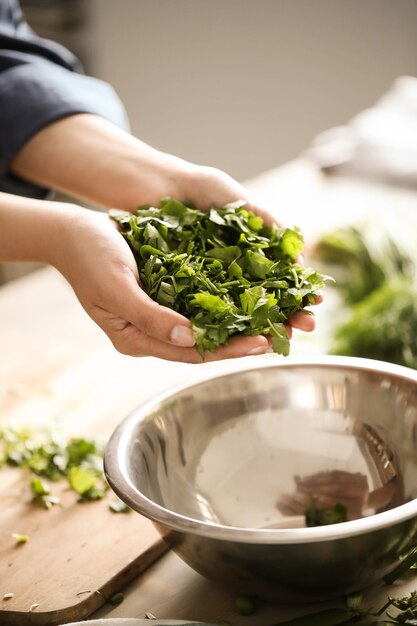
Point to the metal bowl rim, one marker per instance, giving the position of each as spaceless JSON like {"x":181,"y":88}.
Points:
{"x":117,"y":475}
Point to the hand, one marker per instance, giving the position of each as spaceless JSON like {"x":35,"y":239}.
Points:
{"x":100,"y":267}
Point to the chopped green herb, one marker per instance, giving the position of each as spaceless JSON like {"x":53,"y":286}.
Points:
{"x":41,"y":493}
{"x":225,"y":270}
{"x":81,"y":480}
{"x":117,"y":506}
{"x":116,"y":599}
{"x":406,"y":609}
{"x":316,"y":516}
{"x":48,"y":501}
{"x":20,"y":539}
{"x":39,"y":487}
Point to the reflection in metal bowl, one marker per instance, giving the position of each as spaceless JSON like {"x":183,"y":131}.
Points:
{"x":225,"y":467}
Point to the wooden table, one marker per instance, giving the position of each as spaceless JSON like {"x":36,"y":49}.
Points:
{"x":54,"y":355}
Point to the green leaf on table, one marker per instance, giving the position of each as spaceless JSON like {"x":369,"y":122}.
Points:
{"x":20,"y":539}
{"x":81,"y":480}
{"x":39,"y":487}
{"x":118,"y":506}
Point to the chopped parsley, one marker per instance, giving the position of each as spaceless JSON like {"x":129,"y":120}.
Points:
{"x":225,"y":270}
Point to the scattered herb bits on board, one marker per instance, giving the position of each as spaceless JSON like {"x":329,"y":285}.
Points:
{"x":225,"y":270}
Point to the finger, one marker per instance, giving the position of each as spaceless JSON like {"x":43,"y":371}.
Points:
{"x":288,"y":329}
{"x":266,"y":215}
{"x":238,"y":346}
{"x":132,"y":342}
{"x":129,"y":340}
{"x":303,"y":320}
{"x":149,"y":317}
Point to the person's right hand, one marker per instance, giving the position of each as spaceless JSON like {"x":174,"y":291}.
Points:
{"x":99,"y":265}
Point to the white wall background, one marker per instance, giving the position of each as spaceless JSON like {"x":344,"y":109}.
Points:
{"x":246,"y":84}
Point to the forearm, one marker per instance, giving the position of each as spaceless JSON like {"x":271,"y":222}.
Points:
{"x":92,"y":159}
{"x":31,"y":230}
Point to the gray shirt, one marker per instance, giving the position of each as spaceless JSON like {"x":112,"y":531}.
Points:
{"x":40,"y":83}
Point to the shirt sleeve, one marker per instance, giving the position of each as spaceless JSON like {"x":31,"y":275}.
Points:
{"x":40,"y":83}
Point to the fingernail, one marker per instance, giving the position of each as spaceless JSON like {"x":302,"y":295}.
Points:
{"x":182,"y":336}
{"x":257,"y":350}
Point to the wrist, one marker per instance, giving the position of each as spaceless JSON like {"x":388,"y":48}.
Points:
{"x":101,"y":164}
{"x":30,"y":230}
{"x":150,"y":175}
{"x":60,"y":232}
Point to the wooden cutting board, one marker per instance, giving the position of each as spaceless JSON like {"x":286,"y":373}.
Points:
{"x":77,"y":556}
{"x":57,"y":367}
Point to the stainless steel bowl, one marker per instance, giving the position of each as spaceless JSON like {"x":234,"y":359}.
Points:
{"x":226,"y":469}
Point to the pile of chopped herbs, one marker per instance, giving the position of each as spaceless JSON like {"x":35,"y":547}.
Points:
{"x":225,"y":270}
{"x":377,"y":282}
{"x":48,"y":458}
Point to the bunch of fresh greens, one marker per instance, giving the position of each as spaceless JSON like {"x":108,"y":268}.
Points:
{"x":49,"y":457}
{"x":362,"y":263}
{"x":378,"y":281}
{"x":225,"y":270}
{"x":382,"y":326}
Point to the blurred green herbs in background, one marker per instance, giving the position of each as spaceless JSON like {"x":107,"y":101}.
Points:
{"x":376,"y":281}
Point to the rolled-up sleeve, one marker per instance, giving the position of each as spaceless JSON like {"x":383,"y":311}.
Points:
{"x":38,"y":87}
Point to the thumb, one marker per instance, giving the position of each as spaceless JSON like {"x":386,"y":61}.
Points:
{"x":151,"y":318}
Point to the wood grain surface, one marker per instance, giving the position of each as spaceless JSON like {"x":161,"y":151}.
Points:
{"x":57,"y":368}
